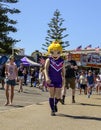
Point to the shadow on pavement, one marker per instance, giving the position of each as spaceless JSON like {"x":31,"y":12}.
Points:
{"x":86,"y":104}
{"x":16,"y":106}
{"x":39,"y":104}
{"x":31,"y":93}
{"x":80,"y":117}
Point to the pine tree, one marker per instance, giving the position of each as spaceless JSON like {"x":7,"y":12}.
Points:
{"x":7,"y":26}
{"x":56,"y":31}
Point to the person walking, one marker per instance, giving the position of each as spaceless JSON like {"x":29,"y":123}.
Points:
{"x":83,"y":82}
{"x":54,"y":71}
{"x":41,"y":79}
{"x":11,"y":74}
{"x":20,"y":77}
{"x":98,"y":84}
{"x":25,"y":73}
{"x":36,"y":82}
{"x":2,"y":75}
{"x":90,"y":83}
{"x":32,"y":75}
{"x":70,"y":77}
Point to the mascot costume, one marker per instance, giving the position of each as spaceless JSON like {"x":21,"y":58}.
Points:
{"x":54,"y":74}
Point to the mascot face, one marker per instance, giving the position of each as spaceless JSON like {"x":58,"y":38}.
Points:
{"x":55,"y":54}
{"x":55,"y":50}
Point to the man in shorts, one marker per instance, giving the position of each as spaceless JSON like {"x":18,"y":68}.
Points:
{"x":70,"y":76}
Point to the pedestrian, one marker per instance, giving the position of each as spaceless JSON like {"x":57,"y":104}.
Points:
{"x":98,"y":84}
{"x":70,"y":78}
{"x":42,"y":81}
{"x":2,"y":75}
{"x":10,"y":80}
{"x":20,"y":77}
{"x":41,"y":78}
{"x":90,"y":83}
{"x":83,"y":82}
{"x":36,"y":81}
{"x":25,"y":73}
{"x":54,"y":71}
{"x":32,"y":76}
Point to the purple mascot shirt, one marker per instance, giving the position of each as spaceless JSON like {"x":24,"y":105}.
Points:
{"x":54,"y":72}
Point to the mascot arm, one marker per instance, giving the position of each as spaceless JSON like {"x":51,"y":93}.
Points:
{"x":46,"y":71}
{"x":63,"y":75}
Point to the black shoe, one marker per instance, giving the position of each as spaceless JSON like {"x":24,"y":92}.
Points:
{"x":62,"y":101}
{"x":53,"y":113}
{"x":73,"y":101}
{"x":56,"y":109}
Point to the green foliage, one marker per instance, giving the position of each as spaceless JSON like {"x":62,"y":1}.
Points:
{"x":9,"y":1}
{"x":7,"y":26}
{"x":56,"y":31}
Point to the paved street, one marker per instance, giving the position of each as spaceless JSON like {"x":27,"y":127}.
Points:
{"x":30,"y":111}
{"x":29,"y":96}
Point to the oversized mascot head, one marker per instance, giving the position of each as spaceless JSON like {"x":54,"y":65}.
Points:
{"x":55,"y":49}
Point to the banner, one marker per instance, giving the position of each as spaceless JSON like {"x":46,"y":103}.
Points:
{"x":76,"y":57}
{"x":91,"y":60}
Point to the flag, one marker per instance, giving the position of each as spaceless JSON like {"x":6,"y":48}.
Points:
{"x":88,"y":47}
{"x":79,"y":48}
{"x":97,"y":49}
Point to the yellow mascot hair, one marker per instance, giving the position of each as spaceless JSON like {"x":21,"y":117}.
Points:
{"x":55,"y":45}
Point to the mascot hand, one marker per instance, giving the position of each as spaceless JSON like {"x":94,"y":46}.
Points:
{"x":48,"y":81}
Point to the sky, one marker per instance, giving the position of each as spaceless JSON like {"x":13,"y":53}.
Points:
{"x":82,"y":20}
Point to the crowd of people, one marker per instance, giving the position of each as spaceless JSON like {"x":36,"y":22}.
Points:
{"x":88,"y":80}
{"x":54,"y":77}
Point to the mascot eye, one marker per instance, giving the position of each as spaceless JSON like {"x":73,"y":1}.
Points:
{"x":51,"y":52}
{"x":58,"y":52}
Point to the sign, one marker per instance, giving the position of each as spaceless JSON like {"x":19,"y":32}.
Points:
{"x":91,"y":60}
{"x":76,"y":57}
